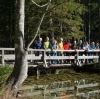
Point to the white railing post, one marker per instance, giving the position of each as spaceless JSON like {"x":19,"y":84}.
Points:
{"x":82,"y":80}
{"x":31,"y":55}
{"x":77,"y":58}
{"x":45,"y":88}
{"x":44,"y":59}
{"x":78,"y":61}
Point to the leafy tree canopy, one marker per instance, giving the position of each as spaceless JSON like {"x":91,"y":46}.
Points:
{"x":66,"y":18}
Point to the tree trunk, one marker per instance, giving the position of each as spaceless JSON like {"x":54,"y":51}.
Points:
{"x":99,"y":22}
{"x":89,"y":38}
{"x":19,"y":73}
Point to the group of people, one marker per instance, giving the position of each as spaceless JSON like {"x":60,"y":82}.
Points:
{"x":63,"y":45}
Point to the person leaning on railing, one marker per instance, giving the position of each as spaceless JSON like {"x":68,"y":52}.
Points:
{"x":86,"y":48}
{"x":60,"y":44}
{"x":97,"y":46}
{"x":47,"y":45}
{"x":67,"y":46}
{"x":92,"y":47}
{"x":38,"y":45}
{"x":80,"y":47}
{"x":74,"y":47}
{"x":60,"y":47}
{"x":53,"y":51}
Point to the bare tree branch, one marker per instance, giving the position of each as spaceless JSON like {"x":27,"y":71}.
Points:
{"x":39,"y":5}
{"x":38,"y":26}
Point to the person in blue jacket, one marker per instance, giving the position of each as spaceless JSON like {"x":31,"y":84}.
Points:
{"x":53,"y":51}
{"x":92,"y":47}
{"x":38,"y":45}
{"x":97,"y":46}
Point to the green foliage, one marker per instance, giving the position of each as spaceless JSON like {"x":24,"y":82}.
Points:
{"x":69,"y":14}
{"x":4,"y":73}
{"x":70,"y":18}
{"x":94,"y":12}
{"x":5,"y":70}
{"x":65,"y":14}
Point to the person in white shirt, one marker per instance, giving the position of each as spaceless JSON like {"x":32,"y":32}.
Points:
{"x":86,"y":48}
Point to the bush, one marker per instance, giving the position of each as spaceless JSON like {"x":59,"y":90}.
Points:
{"x":4,"y":73}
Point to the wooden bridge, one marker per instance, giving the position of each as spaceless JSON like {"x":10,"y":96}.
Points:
{"x":74,"y":58}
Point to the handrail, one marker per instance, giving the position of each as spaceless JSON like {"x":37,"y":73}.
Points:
{"x":50,"y":50}
{"x":44,"y":57}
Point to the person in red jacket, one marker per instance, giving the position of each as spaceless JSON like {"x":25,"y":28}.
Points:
{"x":67,"y":46}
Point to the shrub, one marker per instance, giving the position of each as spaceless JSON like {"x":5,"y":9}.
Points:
{"x":4,"y":73}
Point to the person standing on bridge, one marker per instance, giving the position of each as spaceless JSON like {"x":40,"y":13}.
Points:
{"x":97,"y":46}
{"x":60,"y":44}
{"x":60,"y":47}
{"x":92,"y":47}
{"x":67,"y":46}
{"x":38,"y":45}
{"x":80,"y":47}
{"x":86,"y":48}
{"x":47,"y":45}
{"x":53,"y":51}
{"x":74,"y":47}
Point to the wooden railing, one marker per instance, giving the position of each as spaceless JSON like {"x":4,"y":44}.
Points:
{"x":50,"y":90}
{"x":8,"y":54}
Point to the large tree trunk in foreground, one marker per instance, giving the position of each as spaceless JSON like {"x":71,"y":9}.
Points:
{"x":99,"y":22}
{"x":19,"y":73}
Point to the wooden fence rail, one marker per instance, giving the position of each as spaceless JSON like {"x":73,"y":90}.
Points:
{"x":48,"y":89}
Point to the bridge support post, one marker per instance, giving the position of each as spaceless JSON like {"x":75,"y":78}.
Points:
{"x":77,"y":59}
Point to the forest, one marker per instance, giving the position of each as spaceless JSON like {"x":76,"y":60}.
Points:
{"x":70,"y":19}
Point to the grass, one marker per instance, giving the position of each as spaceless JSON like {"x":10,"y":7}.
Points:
{"x":63,"y":75}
